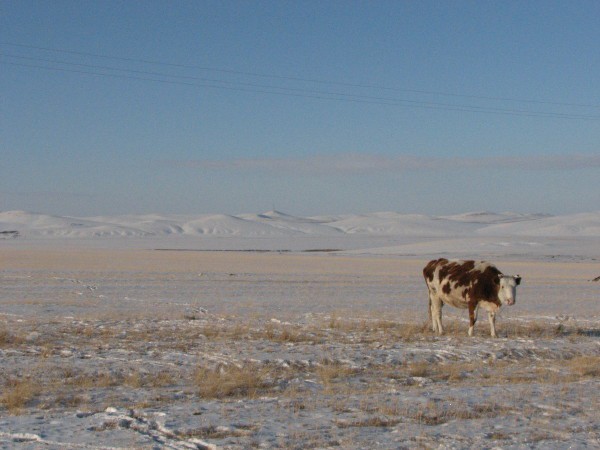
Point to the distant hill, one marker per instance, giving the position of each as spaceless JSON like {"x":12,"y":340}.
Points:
{"x":277,"y":224}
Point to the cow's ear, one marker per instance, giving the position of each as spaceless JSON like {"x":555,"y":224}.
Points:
{"x":518,"y":279}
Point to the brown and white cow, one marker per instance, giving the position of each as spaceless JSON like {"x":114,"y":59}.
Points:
{"x":468,"y":284}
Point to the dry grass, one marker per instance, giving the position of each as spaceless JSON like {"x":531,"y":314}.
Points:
{"x":212,"y":331}
{"x":373,"y":329}
{"x":68,"y":399}
{"x":230,"y":381}
{"x":67,"y":386}
{"x":519,"y":371}
{"x":287,"y":333}
{"x":186,"y":336}
{"x":374,"y":421}
{"x":18,"y":393}
{"x":46,"y":351}
{"x":367,"y":330}
{"x":411,"y":329}
{"x":5,"y":337}
{"x":431,"y":413}
{"x":482,"y":373}
{"x":437,"y":413}
{"x":271,"y":332}
{"x":161,"y":379}
{"x":420,"y":369}
{"x":533,"y":329}
{"x":8,"y":339}
{"x":455,"y":372}
{"x":89,"y":381}
{"x":134,"y":379}
{"x":329,"y":372}
{"x":214,"y":432}
{"x":239,"y":331}
{"x":498,"y":435}
{"x":585,"y":366}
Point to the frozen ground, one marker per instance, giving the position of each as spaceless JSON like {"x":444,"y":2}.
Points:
{"x":171,"y":349}
{"x":106,"y":342}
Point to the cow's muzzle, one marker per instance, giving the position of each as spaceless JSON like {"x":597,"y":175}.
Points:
{"x":510,"y":301}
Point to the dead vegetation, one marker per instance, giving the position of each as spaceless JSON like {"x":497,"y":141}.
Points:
{"x":216,"y":432}
{"x":430,"y":413}
{"x":134,"y":379}
{"x":8,"y":339}
{"x":330,"y":372}
{"x":58,"y":383}
{"x":585,"y":366}
{"x":374,"y":421}
{"x":231,"y":381}
{"x":17,"y":394}
{"x":437,"y":413}
{"x":49,"y":387}
{"x":184,"y":335}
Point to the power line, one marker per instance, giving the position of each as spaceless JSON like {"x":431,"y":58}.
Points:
{"x":289,"y":78}
{"x":391,"y":102}
{"x":308,"y":92}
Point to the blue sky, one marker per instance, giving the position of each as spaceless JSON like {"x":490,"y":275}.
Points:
{"x":308,"y":107}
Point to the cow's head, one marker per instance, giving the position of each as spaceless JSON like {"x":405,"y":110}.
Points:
{"x":507,"y":293}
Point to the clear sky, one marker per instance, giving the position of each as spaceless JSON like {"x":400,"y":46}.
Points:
{"x":308,"y":107}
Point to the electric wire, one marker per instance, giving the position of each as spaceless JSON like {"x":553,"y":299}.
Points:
{"x":243,"y":86}
{"x":290,"y":78}
{"x":299,"y":91}
{"x":315,"y":96}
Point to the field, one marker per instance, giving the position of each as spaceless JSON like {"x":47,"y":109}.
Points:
{"x":194,"y":349}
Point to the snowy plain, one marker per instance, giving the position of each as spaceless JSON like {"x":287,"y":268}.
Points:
{"x":276,"y":331}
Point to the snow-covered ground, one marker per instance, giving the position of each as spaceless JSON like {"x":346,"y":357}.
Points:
{"x":106,"y":342}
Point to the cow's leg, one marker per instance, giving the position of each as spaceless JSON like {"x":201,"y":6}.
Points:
{"x":431,"y":321}
{"x":492,"y":319}
{"x":436,"y":314}
{"x":472,"y":318}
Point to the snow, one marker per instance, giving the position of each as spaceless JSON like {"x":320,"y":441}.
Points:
{"x":381,"y":232}
{"x":576,"y":225}
{"x":274,"y":223}
{"x":108,"y":334}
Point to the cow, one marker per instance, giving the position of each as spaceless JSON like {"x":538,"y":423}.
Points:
{"x":469,"y":285}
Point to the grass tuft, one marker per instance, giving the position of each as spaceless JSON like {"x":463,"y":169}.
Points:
{"x":230,"y":381}
{"x":329,"y":372}
{"x":7,"y":338}
{"x":18,"y":393}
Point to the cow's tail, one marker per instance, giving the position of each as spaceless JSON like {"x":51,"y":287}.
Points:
{"x":429,"y":310}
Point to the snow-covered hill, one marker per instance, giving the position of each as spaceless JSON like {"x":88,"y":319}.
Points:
{"x":276,"y":224}
{"x":379,"y":233}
